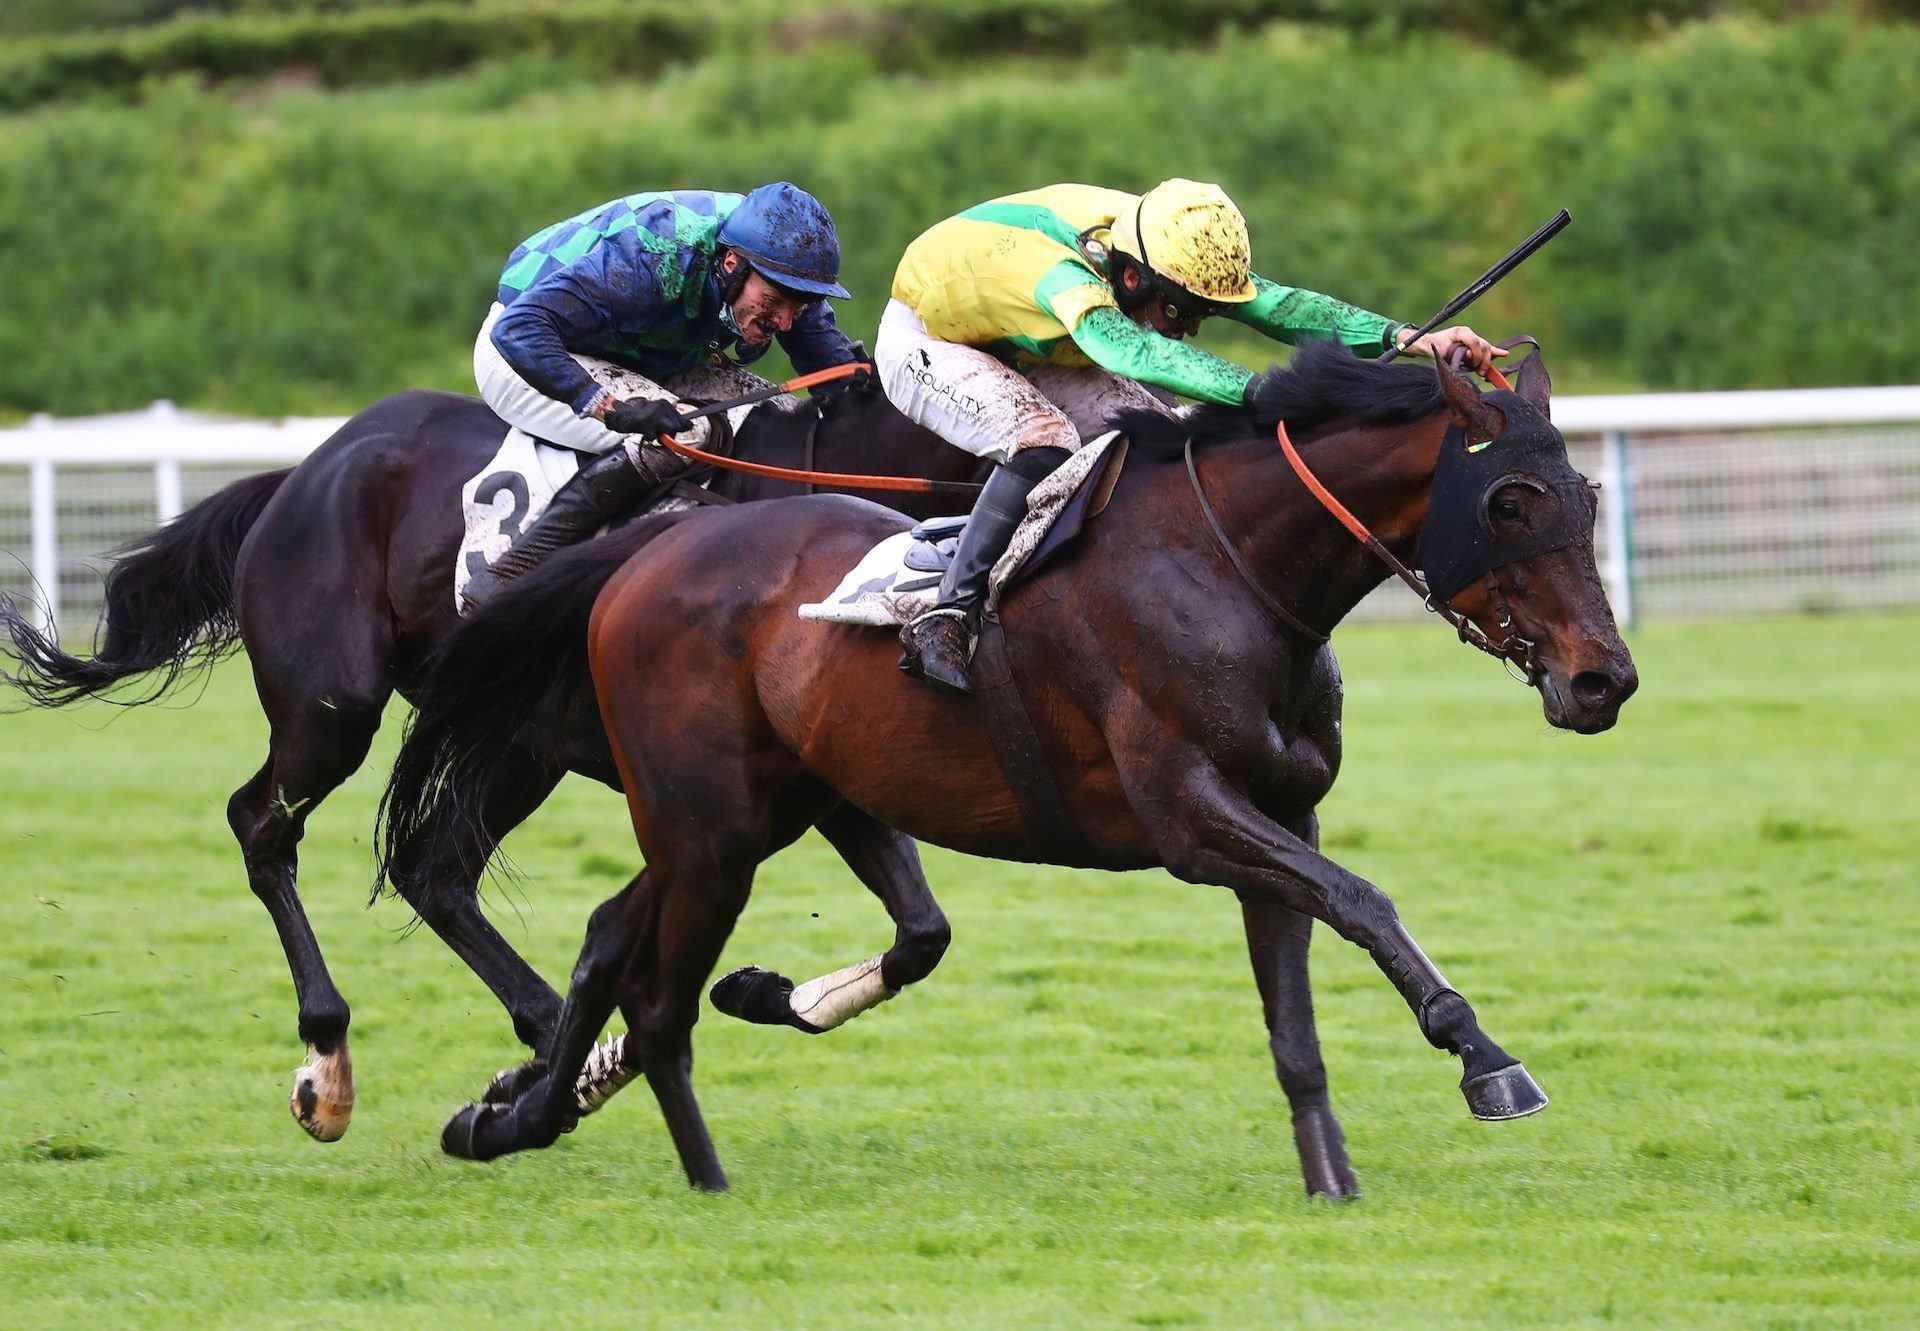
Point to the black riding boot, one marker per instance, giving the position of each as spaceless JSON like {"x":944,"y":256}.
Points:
{"x":939,"y":643}
{"x":603,"y":488}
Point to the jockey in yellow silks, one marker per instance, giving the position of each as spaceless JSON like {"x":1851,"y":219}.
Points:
{"x":1018,"y":325}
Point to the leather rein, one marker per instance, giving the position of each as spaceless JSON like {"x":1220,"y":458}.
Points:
{"x":1512,"y":650}
{"x":808,"y":477}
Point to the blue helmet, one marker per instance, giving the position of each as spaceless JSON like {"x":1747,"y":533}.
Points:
{"x":788,"y":237}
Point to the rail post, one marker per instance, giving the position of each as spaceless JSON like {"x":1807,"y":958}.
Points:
{"x":166,"y":489}
{"x":1616,"y":482}
{"x":43,"y":513}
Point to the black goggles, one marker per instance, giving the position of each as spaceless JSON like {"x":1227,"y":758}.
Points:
{"x":1180,"y":306}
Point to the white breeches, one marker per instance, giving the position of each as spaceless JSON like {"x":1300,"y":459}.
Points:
{"x":518,"y":402}
{"x":980,"y":403}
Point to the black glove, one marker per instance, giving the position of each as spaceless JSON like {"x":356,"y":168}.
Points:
{"x":648,"y":417}
{"x":862,"y":381}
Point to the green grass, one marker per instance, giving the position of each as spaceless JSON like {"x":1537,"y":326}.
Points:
{"x":1699,"y":931}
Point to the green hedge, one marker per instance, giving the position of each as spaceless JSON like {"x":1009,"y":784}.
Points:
{"x":1745,"y":199}
{"x":375,"y":46}
{"x":368,"y":41}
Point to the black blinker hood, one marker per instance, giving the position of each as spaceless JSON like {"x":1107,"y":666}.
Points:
{"x":1457,"y":544}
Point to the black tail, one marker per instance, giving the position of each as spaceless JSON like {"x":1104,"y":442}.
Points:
{"x":474,"y":696}
{"x":169,"y":606}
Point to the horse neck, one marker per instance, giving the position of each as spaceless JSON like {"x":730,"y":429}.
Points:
{"x":1303,"y":556}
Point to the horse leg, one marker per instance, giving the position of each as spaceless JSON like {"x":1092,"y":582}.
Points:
{"x":888,"y":862}
{"x":268,"y":816}
{"x":533,"y":1113}
{"x":660,"y":997}
{"x":1277,"y":940}
{"x":448,"y":901}
{"x":1208,"y":830}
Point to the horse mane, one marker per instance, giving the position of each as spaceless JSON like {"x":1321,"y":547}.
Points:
{"x":1323,"y":383}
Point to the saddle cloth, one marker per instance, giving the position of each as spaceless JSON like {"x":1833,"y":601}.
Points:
{"x":501,"y":500}
{"x":900,"y":577}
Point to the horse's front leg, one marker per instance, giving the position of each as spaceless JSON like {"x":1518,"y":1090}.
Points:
{"x":1277,"y":942}
{"x":1208,"y":830}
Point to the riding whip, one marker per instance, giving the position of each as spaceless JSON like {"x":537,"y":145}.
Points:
{"x":1484,"y":283}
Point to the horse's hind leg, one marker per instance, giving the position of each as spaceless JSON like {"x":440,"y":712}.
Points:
{"x":654,"y":946}
{"x":888,"y":862}
{"x":660,"y":998}
{"x":308,"y":757}
{"x":1277,"y":940}
{"x":540,"y":1104}
{"x":448,"y":901}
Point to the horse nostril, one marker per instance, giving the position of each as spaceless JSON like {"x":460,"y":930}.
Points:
{"x":1594,"y":688}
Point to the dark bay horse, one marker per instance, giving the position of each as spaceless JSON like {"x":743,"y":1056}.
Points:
{"x":1189,"y":727}
{"x":337,"y":576}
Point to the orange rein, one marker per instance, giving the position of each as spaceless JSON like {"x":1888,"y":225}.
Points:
{"x":1470,"y":633}
{"x":1325,"y":496}
{"x":920,"y":485}
{"x":842,"y":480}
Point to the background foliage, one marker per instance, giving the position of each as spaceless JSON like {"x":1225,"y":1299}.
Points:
{"x":274,"y":207}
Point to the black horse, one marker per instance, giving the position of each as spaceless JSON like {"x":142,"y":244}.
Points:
{"x":337,"y":576}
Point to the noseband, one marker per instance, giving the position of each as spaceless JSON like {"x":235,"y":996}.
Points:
{"x":1511,"y":650}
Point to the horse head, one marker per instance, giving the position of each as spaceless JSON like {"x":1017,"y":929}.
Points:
{"x":1508,"y":544}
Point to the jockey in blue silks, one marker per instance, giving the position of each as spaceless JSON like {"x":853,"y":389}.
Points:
{"x":667,"y":295}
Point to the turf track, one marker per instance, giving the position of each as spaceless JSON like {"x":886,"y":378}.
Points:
{"x":1699,"y":931}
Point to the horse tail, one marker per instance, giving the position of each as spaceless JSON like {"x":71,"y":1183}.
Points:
{"x":169,"y":608}
{"x":521,"y":650}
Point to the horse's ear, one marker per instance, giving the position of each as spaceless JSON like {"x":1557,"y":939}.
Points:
{"x":1530,"y":378}
{"x":1478,"y":417}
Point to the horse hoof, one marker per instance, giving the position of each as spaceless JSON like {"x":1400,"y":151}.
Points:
{"x":1323,"y":1156}
{"x":755,"y":995}
{"x":508,"y":1083}
{"x":322,"y":1099}
{"x":1506,"y":1093}
{"x":458,"y":1139}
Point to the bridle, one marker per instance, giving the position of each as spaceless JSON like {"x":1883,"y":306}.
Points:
{"x":1511,"y":650}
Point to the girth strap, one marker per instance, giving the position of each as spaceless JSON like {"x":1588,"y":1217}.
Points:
{"x":1016,"y":745}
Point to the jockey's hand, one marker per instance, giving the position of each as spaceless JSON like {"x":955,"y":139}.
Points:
{"x":862,"y":381}
{"x":648,"y":417}
{"x":1480,"y":353}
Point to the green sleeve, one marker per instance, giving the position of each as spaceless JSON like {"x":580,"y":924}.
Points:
{"x":1114,"y":342}
{"x":1288,"y":314}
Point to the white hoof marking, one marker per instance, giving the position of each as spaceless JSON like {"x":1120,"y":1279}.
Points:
{"x":322,"y":1099}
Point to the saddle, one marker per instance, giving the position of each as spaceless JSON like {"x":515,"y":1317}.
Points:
{"x":900,"y":577}
{"x":934,"y":542}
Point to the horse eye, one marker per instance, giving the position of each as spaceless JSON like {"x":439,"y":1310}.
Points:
{"x":1507,"y":510}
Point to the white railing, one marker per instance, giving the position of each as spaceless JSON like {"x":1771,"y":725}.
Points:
{"x":186,"y":456}
{"x":1711,"y":503}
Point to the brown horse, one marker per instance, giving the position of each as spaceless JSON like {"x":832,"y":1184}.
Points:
{"x":337,"y":576}
{"x":1191,"y":727}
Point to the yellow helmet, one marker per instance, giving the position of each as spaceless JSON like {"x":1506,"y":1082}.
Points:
{"x":1190,"y":233}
